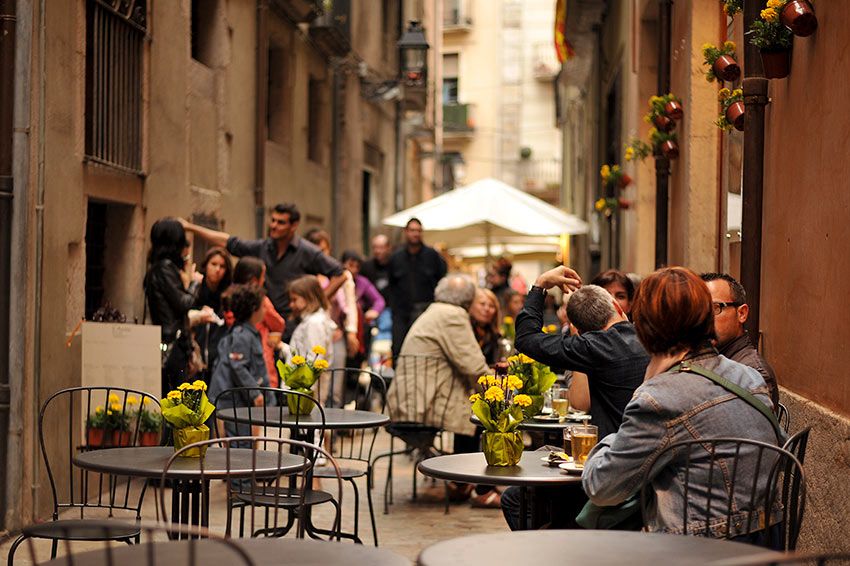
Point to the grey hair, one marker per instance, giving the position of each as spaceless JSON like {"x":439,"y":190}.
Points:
{"x":590,"y":308}
{"x":455,"y":289}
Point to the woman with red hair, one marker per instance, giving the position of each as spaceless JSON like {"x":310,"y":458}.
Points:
{"x":674,"y":319}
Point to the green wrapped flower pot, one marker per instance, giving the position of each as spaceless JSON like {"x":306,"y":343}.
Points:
{"x":298,"y":405}
{"x":502,"y":448}
{"x":189,"y":435}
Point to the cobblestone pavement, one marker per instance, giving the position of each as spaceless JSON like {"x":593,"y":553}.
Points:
{"x":406,"y":530}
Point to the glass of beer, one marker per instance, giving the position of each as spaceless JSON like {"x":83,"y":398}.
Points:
{"x":583,"y":439}
{"x":560,"y":402}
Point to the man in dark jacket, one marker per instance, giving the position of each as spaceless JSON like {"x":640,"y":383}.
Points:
{"x":414,"y":272}
{"x":730,"y":313}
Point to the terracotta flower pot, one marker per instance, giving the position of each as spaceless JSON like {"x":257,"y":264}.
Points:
{"x":624,"y":181}
{"x":776,"y":63}
{"x":726,"y":68}
{"x":674,"y":110}
{"x":799,"y":17}
{"x":735,"y":115}
{"x":94,"y":437}
{"x":623,"y":203}
{"x":670,"y":149}
{"x":148,"y":439}
{"x":663,"y":123}
{"x":121,"y":438}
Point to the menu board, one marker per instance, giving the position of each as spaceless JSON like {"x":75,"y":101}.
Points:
{"x":122,"y":355}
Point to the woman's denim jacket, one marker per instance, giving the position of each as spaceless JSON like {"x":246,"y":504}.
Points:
{"x":677,"y":406}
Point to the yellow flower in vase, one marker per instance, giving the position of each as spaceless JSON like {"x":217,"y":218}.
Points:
{"x":320,"y":364}
{"x":298,"y":360}
{"x":514,"y":382}
{"x":184,"y":386}
{"x":475,"y":397}
{"x":319,"y":351}
{"x":174,"y":395}
{"x":494,"y":394}
{"x":522,"y":400}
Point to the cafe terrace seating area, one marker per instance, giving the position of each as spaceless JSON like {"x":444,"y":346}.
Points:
{"x":293,"y":481}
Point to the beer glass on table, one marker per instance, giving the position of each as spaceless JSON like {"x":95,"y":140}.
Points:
{"x":583,"y":438}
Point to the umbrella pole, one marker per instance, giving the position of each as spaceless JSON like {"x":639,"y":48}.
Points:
{"x":487,"y":242}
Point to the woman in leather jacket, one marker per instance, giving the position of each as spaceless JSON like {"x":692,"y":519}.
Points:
{"x":171,"y":294}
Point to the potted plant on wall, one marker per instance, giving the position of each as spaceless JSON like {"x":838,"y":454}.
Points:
{"x":637,"y":149}
{"x":774,"y":42}
{"x":731,"y":109}
{"x":732,"y":7}
{"x":95,"y":428}
{"x":665,"y":142}
{"x":150,"y":425}
{"x":721,"y":62}
{"x":118,"y":421}
{"x":614,"y":176}
{"x":799,"y":17}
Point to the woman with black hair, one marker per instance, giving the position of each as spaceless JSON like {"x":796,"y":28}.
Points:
{"x":171,"y":293}
{"x":217,"y":270}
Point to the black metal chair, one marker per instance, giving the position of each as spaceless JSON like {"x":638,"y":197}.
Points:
{"x":415,"y":419}
{"x":200,"y":545}
{"x":784,"y":417}
{"x":353,"y":448}
{"x":797,"y":443}
{"x":88,"y":492}
{"x":281,"y":497}
{"x":273,"y":419}
{"x":711,"y":471}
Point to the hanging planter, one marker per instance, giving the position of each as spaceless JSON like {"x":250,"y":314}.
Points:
{"x":614,"y":175}
{"x":731,"y":109}
{"x":774,"y":42}
{"x":674,"y":110}
{"x":721,"y":62}
{"x":776,"y":63}
{"x":799,"y":17}
{"x":670,"y":149}
{"x":663,"y":123}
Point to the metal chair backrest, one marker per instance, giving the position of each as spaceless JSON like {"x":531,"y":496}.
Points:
{"x":271,"y":418}
{"x":412,"y":392}
{"x":784,"y":417}
{"x":797,"y":443}
{"x":713,"y":472}
{"x":357,"y":444}
{"x":126,"y":414}
{"x":269,"y":474}
{"x":196,"y":550}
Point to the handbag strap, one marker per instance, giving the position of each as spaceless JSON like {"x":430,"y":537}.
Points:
{"x":737,"y":390}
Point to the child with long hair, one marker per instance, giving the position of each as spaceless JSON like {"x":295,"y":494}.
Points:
{"x":315,"y":328}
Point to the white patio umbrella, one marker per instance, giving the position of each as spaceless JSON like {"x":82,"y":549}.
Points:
{"x":488,"y":210}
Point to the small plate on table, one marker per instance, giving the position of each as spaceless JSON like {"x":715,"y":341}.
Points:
{"x":572,"y":467}
{"x":550,"y":418}
{"x":555,"y":459}
{"x":578,"y":417}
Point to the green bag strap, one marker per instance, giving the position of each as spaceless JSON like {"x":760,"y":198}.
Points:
{"x":737,"y":390}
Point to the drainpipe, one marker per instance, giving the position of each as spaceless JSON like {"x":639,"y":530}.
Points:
{"x":755,"y":99}
{"x":262,"y":81}
{"x":7,"y":109}
{"x":662,"y":164}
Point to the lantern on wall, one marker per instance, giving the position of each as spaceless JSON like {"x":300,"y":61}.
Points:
{"x":413,"y":48}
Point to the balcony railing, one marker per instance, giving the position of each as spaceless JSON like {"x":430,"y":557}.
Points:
{"x":331,"y":31}
{"x":457,"y":119}
{"x":541,"y":175}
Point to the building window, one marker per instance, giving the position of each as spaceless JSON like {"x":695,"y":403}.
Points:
{"x":114,"y":59}
{"x":450,"y":78}
{"x":315,"y":109}
{"x":277,"y":102}
{"x":203,"y":26}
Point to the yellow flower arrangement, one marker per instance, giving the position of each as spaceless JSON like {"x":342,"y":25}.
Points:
{"x":474,"y":397}
{"x":319,"y":350}
{"x":494,"y":393}
{"x":321,"y":364}
{"x":508,"y":320}
{"x":298,"y":360}
{"x":300,"y":374}
{"x":174,"y":395}
{"x":514,"y":382}
{"x":199,"y":384}
{"x":522,"y":400}
{"x":184,"y":386}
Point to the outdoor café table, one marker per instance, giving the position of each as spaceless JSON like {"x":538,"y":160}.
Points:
{"x":531,"y":472}
{"x":585,"y":547}
{"x":335,"y":419}
{"x":149,"y":462}
{"x":261,"y":551}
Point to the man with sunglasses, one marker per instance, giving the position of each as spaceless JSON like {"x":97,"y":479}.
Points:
{"x":730,"y":313}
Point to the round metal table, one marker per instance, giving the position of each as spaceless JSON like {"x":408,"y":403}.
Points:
{"x":189,"y":496}
{"x":336,"y":419}
{"x":149,"y":462}
{"x":262,"y":551}
{"x":473,"y":468}
{"x":586,"y":547}
{"x":529,"y":475}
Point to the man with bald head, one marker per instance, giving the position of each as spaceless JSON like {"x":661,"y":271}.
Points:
{"x":375,"y":269}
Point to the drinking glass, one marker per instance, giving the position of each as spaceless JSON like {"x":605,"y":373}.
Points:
{"x":582,"y":438}
{"x":561,"y":402}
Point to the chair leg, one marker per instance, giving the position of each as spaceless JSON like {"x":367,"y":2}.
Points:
{"x":371,"y":506}
{"x":54,"y":548}
{"x":356,"y":508}
{"x":10,"y":560}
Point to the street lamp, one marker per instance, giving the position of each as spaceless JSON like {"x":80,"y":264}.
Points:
{"x":413,"y":48}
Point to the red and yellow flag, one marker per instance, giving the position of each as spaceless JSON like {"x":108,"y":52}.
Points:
{"x":563,"y":48}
